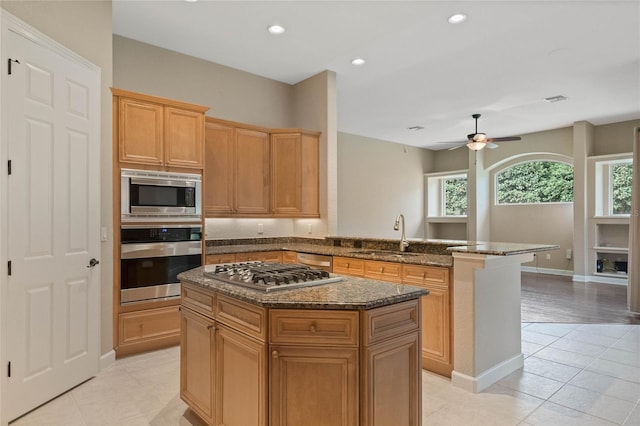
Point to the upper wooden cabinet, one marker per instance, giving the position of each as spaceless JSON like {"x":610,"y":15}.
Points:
{"x":158,"y":132}
{"x":257,"y":172}
{"x":295,"y":174}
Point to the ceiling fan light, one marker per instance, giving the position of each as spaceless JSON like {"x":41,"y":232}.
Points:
{"x":480,"y":137}
{"x":476,"y":146}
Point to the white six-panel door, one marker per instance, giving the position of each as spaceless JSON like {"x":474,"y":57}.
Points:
{"x":52,"y":308}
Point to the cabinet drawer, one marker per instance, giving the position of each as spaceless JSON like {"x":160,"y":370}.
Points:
{"x":214,"y":259}
{"x":289,"y":257}
{"x":314,"y":327}
{"x":348,"y":266}
{"x":389,"y":321}
{"x":198,"y":299}
{"x":265,"y":256}
{"x":417,"y":274}
{"x":385,"y":271}
{"x":242,"y":316}
{"x":149,"y":324}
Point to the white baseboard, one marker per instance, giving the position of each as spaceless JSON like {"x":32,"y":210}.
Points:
{"x":107,"y":359}
{"x":608,"y":280}
{"x":488,"y":377}
{"x":548,"y":271}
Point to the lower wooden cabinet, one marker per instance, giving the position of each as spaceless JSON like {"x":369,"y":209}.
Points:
{"x":144,"y":330}
{"x":348,"y":266}
{"x":384,"y":271}
{"x":314,"y":386}
{"x":265,"y":256}
{"x":214,"y":259}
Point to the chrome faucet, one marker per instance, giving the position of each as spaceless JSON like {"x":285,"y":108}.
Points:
{"x":403,"y":240}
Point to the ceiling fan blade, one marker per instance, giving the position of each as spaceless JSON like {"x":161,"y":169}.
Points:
{"x":491,"y":145}
{"x":506,"y":139}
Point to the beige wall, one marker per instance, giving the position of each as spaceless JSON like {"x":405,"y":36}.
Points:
{"x":229,"y":93}
{"x":377,"y":181}
{"x":616,"y":138}
{"x":85,"y":28}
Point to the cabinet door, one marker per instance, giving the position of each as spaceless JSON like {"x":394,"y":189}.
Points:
{"x":314,"y":386}
{"x":184,"y":137}
{"x":213,"y":259}
{"x":251,"y":172}
{"x":218,"y":169}
{"x":310,"y":174}
{"x":436,"y":336}
{"x":286,"y":174}
{"x":265,"y":256}
{"x":140,"y":125}
{"x":197,"y":363}
{"x":241,"y":389}
{"x":149,"y":325}
{"x":391,"y":382}
{"x":289,"y":257}
{"x":348,"y":266}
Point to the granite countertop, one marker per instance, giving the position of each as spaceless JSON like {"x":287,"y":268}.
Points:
{"x":501,"y":249}
{"x":416,"y":258}
{"x":350,"y":293}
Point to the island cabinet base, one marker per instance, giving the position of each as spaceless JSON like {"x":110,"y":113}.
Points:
{"x":242,"y":364}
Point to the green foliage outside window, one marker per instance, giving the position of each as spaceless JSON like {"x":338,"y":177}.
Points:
{"x":621,"y":188}
{"x":536,"y":182}
{"x":455,"y":196}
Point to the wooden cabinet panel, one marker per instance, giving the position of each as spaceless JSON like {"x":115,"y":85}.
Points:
{"x":140,"y":135}
{"x":265,"y":256}
{"x":311,"y":385}
{"x":241,"y":385}
{"x":184,"y":137}
{"x":219,"y":178}
{"x":391,"y":380}
{"x":348,"y":266}
{"x":310,"y":175}
{"x":197,"y":365}
{"x":418,"y":274}
{"x":314,"y":327}
{"x":386,"y":271}
{"x":149,"y":324}
{"x":286,"y":176}
{"x":389,"y":321}
{"x":198,"y":299}
{"x":289,"y":257}
{"x":251,"y":170}
{"x":245,"y":317}
{"x":214,"y":259}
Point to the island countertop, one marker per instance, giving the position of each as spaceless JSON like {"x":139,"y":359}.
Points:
{"x":350,"y":293}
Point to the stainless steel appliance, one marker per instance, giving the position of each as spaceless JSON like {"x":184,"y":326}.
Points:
{"x":270,"y":276}
{"x":151,"y":257}
{"x":148,"y":195}
{"x":316,"y":260}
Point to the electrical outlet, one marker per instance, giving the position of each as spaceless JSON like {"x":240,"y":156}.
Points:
{"x":569,"y":254}
{"x":310,"y":229}
{"x":260,"y":229}
{"x":548,"y":256}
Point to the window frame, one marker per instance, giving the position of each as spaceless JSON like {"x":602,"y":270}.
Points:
{"x":604,"y":174}
{"x":436,"y":193}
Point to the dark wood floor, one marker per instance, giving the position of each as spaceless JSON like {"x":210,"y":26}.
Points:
{"x":550,"y":298}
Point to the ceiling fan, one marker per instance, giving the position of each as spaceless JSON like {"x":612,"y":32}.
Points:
{"x":478,"y":141}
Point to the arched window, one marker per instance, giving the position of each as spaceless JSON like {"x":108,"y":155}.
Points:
{"x":535,"y":182}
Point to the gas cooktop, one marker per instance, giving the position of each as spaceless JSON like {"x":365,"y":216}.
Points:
{"x":270,"y":276}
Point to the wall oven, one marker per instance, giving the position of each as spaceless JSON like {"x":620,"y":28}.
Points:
{"x":160,"y":196}
{"x":152,"y":256}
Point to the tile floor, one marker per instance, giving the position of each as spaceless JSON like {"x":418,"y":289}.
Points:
{"x":574,"y":374}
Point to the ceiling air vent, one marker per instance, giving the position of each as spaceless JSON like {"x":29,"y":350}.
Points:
{"x":557,"y":98}
{"x":415,"y":128}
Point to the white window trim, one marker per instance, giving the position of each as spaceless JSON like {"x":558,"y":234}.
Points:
{"x":604,"y":187}
{"x":435,"y":193}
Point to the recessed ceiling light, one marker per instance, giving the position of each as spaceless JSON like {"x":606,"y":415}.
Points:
{"x":358,"y":61}
{"x":557,"y":98}
{"x":191,"y":1}
{"x":457,"y":18}
{"x":276,"y":29}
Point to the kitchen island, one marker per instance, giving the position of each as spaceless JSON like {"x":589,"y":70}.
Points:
{"x":343,"y":353}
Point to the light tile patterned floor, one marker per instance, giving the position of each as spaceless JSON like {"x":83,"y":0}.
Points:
{"x":573,"y":375}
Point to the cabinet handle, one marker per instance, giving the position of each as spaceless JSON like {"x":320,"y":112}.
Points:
{"x":381,"y":270}
{"x":312,"y":328}
{"x":346,"y":265}
{"x":275,"y":354}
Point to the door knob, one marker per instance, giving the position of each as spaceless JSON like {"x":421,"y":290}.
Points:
{"x":93,"y":262}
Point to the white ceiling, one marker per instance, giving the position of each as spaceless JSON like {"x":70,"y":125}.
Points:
{"x":421,"y":70}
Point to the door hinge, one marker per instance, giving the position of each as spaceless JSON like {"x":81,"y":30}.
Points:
{"x":9,"y":61}
{"x":9,"y":166}
{"x":9,"y":369}
{"x":9,"y":268}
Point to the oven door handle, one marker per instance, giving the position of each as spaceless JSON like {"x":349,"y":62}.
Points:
{"x":163,"y":182}
{"x":144,"y":250}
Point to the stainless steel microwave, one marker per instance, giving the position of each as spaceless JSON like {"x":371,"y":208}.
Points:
{"x":152,"y":195}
